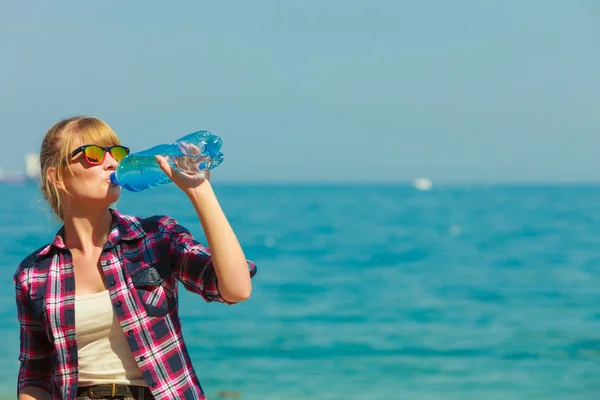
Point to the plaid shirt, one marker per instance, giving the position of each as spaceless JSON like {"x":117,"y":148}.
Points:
{"x":142,"y":261}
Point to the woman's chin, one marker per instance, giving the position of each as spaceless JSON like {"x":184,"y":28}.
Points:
{"x":113,"y":194}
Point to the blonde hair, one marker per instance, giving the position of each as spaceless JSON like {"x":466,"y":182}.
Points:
{"x":56,"y":152}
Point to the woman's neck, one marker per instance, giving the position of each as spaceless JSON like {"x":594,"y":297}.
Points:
{"x":87,"y":230}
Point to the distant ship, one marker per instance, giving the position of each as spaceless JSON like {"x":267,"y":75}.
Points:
{"x":422,"y":184}
{"x":32,"y":172}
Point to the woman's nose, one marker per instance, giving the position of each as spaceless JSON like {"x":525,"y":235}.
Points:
{"x":110,"y":162}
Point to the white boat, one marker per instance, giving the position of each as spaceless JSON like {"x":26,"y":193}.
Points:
{"x":422,"y":184}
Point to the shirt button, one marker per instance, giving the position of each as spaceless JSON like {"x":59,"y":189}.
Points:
{"x":118,"y":304}
{"x":142,"y":358}
{"x":112,"y":283}
{"x":130,"y":333}
{"x":154,"y":385}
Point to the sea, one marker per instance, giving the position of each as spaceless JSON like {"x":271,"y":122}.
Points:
{"x":376,"y":291}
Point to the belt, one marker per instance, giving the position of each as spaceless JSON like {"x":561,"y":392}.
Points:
{"x":112,"y":390}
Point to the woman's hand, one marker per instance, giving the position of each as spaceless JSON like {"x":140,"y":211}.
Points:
{"x":185,"y":181}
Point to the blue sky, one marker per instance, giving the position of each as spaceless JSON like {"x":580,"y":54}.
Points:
{"x":318,"y":90}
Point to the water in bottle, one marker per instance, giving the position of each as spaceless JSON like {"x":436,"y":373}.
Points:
{"x":192,"y":154}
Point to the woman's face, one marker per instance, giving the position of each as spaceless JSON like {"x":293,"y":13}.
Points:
{"x":90,"y":184}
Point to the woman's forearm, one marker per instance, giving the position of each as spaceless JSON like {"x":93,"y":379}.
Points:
{"x":227,"y":255}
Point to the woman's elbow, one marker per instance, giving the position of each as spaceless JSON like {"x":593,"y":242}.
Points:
{"x":236,"y":295}
{"x":236,"y":287}
{"x":239,"y":295}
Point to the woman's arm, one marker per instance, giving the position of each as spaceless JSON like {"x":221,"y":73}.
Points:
{"x":230,"y":264}
{"x":232,"y":272}
{"x":34,"y":393}
{"x":36,"y":351}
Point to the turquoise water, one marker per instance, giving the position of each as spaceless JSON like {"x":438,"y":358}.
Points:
{"x":379,"y":292}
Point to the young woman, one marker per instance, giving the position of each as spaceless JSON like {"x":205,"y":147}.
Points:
{"x":98,"y":305}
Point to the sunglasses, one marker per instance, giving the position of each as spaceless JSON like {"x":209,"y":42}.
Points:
{"x":95,"y":154}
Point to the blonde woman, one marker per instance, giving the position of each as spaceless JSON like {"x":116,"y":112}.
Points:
{"x":97,"y":306}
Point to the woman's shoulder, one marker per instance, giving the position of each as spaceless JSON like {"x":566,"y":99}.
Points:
{"x":38,"y":260}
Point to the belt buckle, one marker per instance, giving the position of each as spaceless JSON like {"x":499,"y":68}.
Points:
{"x":92,"y":395}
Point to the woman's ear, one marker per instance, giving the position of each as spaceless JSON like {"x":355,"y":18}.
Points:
{"x":53,"y":178}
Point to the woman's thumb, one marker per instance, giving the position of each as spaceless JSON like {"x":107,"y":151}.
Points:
{"x":164,"y":165}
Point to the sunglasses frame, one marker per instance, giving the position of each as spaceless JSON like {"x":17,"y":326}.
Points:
{"x":106,"y":150}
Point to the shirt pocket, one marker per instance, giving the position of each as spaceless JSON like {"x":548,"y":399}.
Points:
{"x":152,"y":284}
{"x":38,"y":306}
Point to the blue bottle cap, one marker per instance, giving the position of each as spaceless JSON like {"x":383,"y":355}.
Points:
{"x":113,"y":178}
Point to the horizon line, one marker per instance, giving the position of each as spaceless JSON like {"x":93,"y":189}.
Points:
{"x":26,"y":179}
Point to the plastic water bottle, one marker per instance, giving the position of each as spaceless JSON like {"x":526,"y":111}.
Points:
{"x":192,"y":154}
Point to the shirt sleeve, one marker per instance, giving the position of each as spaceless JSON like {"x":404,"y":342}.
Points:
{"x":192,"y":263}
{"x":36,"y":350}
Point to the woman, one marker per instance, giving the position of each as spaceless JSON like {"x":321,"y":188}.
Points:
{"x":98,"y":306}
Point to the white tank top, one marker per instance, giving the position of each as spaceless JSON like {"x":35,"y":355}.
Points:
{"x":103,"y":352}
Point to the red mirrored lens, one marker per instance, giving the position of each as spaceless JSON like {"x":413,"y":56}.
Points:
{"x":118,"y":153}
{"x":94,"y":154}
